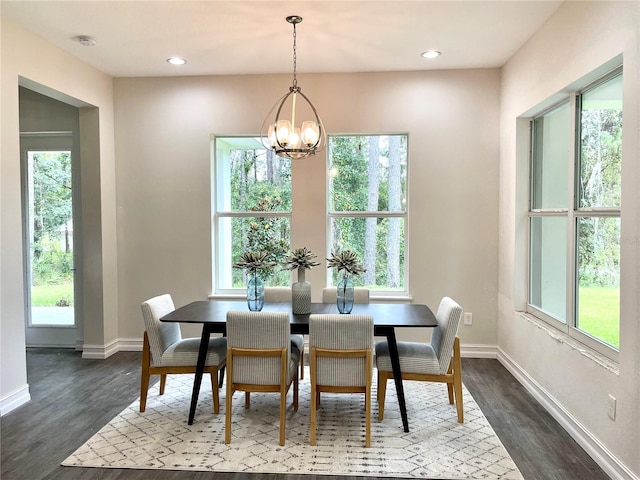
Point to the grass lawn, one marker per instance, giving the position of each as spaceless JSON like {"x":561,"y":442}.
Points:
{"x":599,"y":310}
{"x":48,"y":295}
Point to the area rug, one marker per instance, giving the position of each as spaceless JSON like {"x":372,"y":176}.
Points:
{"x":437,"y":446}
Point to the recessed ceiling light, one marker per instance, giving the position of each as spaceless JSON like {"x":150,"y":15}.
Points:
{"x":176,"y":61}
{"x":431,"y":54}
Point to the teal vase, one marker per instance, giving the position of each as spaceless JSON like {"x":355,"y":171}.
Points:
{"x":345,"y":294}
{"x":255,"y":293}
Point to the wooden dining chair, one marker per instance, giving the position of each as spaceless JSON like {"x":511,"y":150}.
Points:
{"x":260,"y":358}
{"x":437,"y":361}
{"x":360,"y":295}
{"x":341,"y":349}
{"x":164,"y":351}
{"x":283,"y":295}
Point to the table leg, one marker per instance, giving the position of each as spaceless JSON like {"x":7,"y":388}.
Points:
{"x":397,"y":376}
{"x":202,"y":357}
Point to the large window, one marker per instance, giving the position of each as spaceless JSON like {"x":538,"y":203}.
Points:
{"x":251,"y":209}
{"x":574,"y":246}
{"x":367,"y":207}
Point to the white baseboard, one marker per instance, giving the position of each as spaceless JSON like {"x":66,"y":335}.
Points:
{"x":100,"y":352}
{"x":596,"y":450}
{"x":14,"y":400}
{"x":478,"y":351}
{"x":130,"y":345}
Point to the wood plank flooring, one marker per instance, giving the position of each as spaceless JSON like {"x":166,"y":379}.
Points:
{"x":72,"y":398}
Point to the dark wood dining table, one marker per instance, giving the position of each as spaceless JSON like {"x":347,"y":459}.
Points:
{"x":212,"y":314}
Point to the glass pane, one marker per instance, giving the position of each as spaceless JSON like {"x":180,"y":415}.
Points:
{"x":601,"y":145}
{"x":599,"y":278}
{"x":379,"y":244}
{"x":368,"y":173}
{"x":50,"y":230}
{"x":548,"y":265}
{"x":237,"y":235}
{"x":549,"y":169}
{"x":249,"y":178}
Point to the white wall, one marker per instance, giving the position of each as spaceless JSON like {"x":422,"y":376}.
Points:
{"x":28,"y":60}
{"x":578,"y":39}
{"x":163,"y":170}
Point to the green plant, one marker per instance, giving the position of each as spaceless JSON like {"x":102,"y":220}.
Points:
{"x":300,"y":258}
{"x":346,"y":261}
{"x":254,"y":262}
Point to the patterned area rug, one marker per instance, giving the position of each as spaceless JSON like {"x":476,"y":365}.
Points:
{"x":436,"y":447}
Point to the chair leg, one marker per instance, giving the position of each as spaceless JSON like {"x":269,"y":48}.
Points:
{"x":163,"y":382}
{"x":302,"y":363}
{"x":382,"y":392}
{"x":214,"y":391}
{"x":145,"y":375}
{"x":450,"y":385}
{"x":228,"y":401}
{"x":247,"y":399}
{"x":295,"y":393}
{"x":367,"y":403}
{"x":314,"y":399}
{"x":457,"y":378}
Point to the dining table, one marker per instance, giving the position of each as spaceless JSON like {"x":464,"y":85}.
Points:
{"x":212,"y":314}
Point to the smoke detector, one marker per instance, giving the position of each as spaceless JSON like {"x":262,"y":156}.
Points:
{"x":85,"y":40}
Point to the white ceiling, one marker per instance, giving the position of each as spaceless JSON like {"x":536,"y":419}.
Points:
{"x":134,"y":38}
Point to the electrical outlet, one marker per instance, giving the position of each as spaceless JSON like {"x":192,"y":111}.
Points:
{"x":468,"y":318}
{"x":611,"y":410}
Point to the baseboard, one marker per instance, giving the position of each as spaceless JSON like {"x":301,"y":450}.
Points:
{"x":130,"y":345}
{"x":594,"y":448}
{"x":100,"y":352}
{"x":478,"y":351}
{"x":14,"y":400}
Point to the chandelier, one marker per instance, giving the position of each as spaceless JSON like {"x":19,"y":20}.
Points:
{"x":284,"y":136}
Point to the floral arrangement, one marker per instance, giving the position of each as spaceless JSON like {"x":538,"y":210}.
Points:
{"x":346,"y":261}
{"x":300,"y":258}
{"x":254,"y":261}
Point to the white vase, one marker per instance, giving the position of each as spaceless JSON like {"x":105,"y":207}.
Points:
{"x":301,"y":294}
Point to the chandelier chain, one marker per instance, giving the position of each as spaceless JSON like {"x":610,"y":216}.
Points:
{"x":295,"y":80}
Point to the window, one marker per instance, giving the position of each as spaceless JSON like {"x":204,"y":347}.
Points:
{"x":251,"y":209}
{"x":574,"y":216}
{"x":367,"y":210}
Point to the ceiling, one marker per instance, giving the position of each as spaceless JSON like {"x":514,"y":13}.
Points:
{"x":134,"y":38}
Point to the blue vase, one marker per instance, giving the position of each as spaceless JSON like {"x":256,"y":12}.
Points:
{"x":345,"y":294}
{"x":255,"y":293}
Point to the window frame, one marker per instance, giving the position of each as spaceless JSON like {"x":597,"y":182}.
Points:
{"x":573,"y":214}
{"x":380,"y":294}
{"x":216,"y":214}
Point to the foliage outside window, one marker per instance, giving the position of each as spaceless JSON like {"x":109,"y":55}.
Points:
{"x":252,"y":210}
{"x":51,"y":229}
{"x":574,"y":246}
{"x":367,"y":206}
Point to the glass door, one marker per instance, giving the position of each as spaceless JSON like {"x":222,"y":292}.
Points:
{"x":49,"y":262}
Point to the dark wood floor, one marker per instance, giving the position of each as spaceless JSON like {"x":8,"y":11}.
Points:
{"x":72,"y":398}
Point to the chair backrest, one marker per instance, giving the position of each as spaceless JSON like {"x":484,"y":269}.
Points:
{"x":360,"y":295}
{"x":341,"y":332}
{"x":259,"y":330}
{"x":161,"y":334}
{"x":277,"y":294}
{"x":448,"y":317}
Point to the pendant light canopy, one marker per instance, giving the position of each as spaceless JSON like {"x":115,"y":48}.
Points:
{"x":286,"y":138}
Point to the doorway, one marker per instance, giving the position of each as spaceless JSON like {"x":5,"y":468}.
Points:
{"x":50,"y":312}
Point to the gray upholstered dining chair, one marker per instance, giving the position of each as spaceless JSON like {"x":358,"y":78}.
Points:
{"x":341,"y":350}
{"x":260,"y":358}
{"x":164,"y":351}
{"x":360,"y":295}
{"x":283,"y":295}
{"x":437,"y":361}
